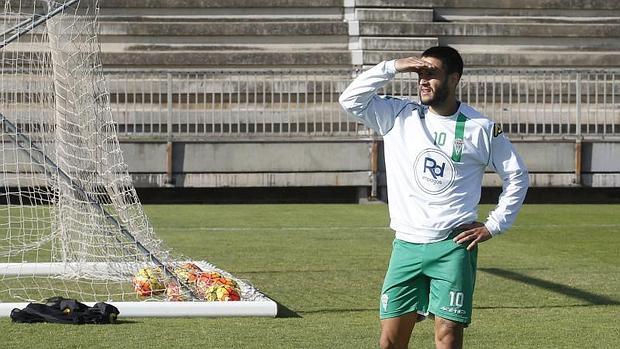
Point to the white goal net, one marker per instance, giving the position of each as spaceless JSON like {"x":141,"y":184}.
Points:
{"x":71,"y":224}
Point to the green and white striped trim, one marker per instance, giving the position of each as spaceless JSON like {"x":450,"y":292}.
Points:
{"x":459,"y":143}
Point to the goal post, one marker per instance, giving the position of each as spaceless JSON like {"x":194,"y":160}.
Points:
{"x":71,"y":223}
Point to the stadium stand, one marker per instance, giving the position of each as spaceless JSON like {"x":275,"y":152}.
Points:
{"x":245,"y":94}
{"x":224,"y":33}
{"x":240,"y":94}
{"x":303,"y":33}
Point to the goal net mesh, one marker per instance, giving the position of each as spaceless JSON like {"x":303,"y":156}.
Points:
{"x":67,"y":203}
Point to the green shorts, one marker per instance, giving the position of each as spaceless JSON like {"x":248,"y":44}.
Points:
{"x":436,"y":278}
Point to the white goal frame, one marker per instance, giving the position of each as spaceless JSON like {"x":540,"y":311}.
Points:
{"x":264,"y":307}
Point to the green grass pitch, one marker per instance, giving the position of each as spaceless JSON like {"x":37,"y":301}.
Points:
{"x":553,"y":281}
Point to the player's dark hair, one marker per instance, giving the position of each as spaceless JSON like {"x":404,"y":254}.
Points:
{"x":449,"y":57}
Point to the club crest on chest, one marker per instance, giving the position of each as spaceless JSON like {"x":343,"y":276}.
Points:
{"x":458,"y":146}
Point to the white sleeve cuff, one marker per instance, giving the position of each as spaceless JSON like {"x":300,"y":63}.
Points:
{"x":390,"y":67}
{"x":492,"y":228}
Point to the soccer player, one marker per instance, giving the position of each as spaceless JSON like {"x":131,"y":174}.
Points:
{"x":436,"y":153}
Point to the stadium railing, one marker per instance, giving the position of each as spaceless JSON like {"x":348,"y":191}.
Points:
{"x":222,"y":105}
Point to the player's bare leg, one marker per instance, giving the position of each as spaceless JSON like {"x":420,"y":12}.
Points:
{"x":448,"y":334}
{"x":396,"y":332}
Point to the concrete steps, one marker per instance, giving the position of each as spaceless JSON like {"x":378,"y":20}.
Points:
{"x":303,"y":33}
{"x":380,"y":43}
{"x":216,"y":3}
{"x":523,"y":58}
{"x":224,"y":34}
{"x":490,"y":29}
{"x":219,"y":33}
{"x":228,"y":46}
{"x":167,"y":37}
{"x":226,"y":59}
{"x":526,"y":43}
{"x":547,"y":33}
{"x":482,"y":44}
{"x":201,"y":14}
{"x":394,"y":15}
{"x":495,"y":4}
{"x":544,"y":19}
{"x":223,"y":28}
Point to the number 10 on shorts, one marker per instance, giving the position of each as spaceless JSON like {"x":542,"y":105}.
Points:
{"x":456,"y":299}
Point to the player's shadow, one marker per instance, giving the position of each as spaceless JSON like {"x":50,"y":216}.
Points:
{"x":591,"y":298}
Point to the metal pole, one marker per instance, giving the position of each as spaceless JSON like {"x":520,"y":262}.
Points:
{"x":18,"y":25}
{"x":169,"y":144}
{"x":374,"y":168}
{"x":36,"y":23}
{"x":578,"y":154}
{"x":578,"y":104}
{"x":578,"y":129}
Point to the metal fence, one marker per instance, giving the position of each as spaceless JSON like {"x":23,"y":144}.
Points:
{"x":241,"y":105}
{"x":229,"y":104}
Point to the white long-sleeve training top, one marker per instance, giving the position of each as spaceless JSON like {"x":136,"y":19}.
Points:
{"x":435,"y":163}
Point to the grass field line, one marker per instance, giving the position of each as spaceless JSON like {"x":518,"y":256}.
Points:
{"x":584,"y":225}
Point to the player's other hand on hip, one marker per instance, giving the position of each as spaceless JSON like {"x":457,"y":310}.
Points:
{"x":474,"y":234}
{"x":412,"y":64}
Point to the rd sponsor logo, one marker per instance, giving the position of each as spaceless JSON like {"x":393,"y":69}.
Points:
{"x":433,"y":171}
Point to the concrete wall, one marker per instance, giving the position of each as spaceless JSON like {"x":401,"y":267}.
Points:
{"x":250,"y":164}
{"x":343,"y":163}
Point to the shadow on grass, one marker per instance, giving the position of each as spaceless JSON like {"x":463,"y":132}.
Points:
{"x":536,"y":307}
{"x":334,"y":311}
{"x":126,"y":322}
{"x":285,"y":312}
{"x":589,"y":297}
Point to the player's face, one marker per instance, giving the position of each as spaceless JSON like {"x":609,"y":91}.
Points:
{"x":433,"y":84}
